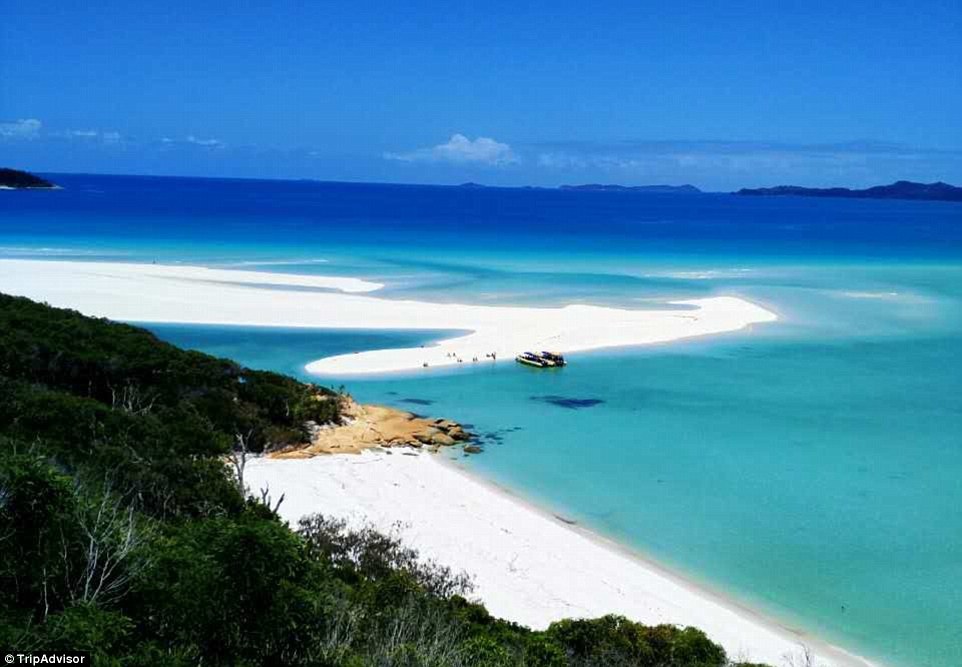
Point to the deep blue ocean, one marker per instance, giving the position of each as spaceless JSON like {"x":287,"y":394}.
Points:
{"x":811,"y":468}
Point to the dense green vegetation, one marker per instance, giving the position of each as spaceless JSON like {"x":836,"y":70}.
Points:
{"x":14,"y":178}
{"x":123,"y":531}
{"x":899,"y":190}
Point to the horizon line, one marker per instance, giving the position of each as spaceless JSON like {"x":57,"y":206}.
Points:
{"x":463,"y":185}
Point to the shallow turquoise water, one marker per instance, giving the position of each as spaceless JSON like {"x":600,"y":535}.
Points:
{"x":285,"y":349}
{"x":776,"y":471}
{"x":818,"y":481}
{"x":810,"y":467}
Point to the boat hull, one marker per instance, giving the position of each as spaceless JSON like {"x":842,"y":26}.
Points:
{"x":542,"y":360}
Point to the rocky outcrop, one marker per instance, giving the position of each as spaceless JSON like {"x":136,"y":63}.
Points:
{"x":368,"y":426}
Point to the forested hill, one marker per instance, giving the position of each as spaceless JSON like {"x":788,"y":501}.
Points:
{"x":898,"y":190}
{"x":16,"y":179}
{"x":126,"y":534}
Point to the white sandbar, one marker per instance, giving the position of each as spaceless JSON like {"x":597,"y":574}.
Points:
{"x":188,"y":294}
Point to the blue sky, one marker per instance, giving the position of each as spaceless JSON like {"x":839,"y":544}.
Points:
{"x":716,"y":94}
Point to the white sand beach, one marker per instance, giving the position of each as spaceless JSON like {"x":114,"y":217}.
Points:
{"x":189,"y":294}
{"x":528,"y":566}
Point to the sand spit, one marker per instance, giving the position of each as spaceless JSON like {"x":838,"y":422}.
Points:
{"x":187,"y":294}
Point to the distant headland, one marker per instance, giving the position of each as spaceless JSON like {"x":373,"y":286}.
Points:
{"x":14,"y":179}
{"x":608,"y":187}
{"x":898,"y":190}
{"x":654,"y":189}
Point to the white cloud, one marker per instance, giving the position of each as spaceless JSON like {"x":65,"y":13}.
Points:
{"x":562,"y":161}
{"x":207,"y":143}
{"x":461,"y":150}
{"x":191,"y":140}
{"x":109,"y":137}
{"x":25,"y":128}
{"x":728,"y":157}
{"x":606,"y":162}
{"x":32,"y":129}
{"x":734,"y":164}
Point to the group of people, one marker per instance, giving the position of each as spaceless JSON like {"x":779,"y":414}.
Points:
{"x":452,"y":355}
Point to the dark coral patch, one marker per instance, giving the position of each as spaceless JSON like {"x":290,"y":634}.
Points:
{"x":568,"y":402}
{"x":417,"y":401}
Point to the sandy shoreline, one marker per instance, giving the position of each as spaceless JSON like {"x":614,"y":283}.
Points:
{"x":187,"y":294}
{"x":529,"y":565}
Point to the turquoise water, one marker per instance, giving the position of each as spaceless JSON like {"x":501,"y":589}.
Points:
{"x":774,"y":470}
{"x":818,"y":482}
{"x":809,"y":467}
{"x":285,"y":349}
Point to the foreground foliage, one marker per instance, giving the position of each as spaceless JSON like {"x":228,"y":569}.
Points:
{"x":123,"y":532}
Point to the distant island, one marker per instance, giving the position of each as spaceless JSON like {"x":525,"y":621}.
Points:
{"x":599,"y":187}
{"x":898,"y":190}
{"x":654,"y":189}
{"x":14,"y":179}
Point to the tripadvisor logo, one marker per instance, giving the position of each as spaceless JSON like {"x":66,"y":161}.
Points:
{"x":47,"y":658}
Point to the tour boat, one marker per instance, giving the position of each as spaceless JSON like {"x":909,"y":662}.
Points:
{"x":553,"y":358}
{"x":541,"y":359}
{"x":531,"y":359}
